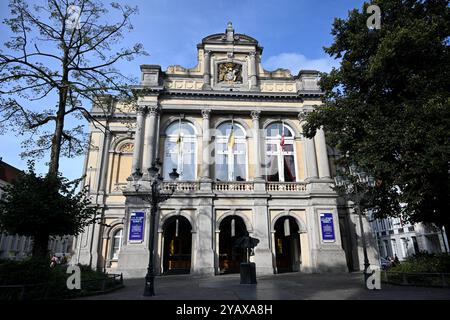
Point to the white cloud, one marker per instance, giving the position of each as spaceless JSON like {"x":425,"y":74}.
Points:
{"x":296,"y":62}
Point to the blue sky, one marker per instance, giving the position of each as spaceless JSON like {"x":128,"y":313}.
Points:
{"x":293,"y":34}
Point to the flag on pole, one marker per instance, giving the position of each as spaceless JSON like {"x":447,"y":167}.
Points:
{"x":231,"y":138}
{"x":179,"y":136}
{"x":179,"y":131}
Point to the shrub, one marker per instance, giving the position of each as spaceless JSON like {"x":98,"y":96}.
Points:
{"x":44,"y":282}
{"x":425,"y":262}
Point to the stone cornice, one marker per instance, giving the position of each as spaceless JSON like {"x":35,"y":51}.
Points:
{"x":228,"y":95}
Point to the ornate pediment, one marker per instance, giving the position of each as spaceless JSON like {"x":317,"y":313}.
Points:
{"x":229,"y":37}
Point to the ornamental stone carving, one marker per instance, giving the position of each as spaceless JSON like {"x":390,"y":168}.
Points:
{"x":230,"y":73}
{"x":206,"y":113}
{"x":255,"y":114}
{"x":127,"y":148}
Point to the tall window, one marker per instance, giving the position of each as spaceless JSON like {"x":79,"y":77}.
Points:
{"x":231,"y":153}
{"x":280,"y":153}
{"x":116,"y":244}
{"x":180,"y":150}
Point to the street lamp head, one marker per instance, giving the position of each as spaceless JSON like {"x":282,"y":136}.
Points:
{"x":153,"y":171}
{"x":362,"y":177}
{"x":174,"y":175}
{"x":353,"y":169}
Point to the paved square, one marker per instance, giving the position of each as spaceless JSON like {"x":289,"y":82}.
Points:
{"x":293,"y":286}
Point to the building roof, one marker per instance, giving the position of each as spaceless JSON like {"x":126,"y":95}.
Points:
{"x":8,"y":173}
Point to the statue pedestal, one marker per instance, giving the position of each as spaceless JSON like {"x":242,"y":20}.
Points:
{"x":248,"y":273}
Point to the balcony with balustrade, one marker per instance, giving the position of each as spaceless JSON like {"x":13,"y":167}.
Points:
{"x":237,"y":187}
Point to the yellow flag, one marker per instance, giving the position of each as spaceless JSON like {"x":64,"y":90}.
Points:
{"x":231,"y":139}
{"x":179,"y":134}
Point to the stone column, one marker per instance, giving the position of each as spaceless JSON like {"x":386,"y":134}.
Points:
{"x":206,"y":153}
{"x":324,"y":166}
{"x":261,"y":231}
{"x":252,"y":72}
{"x":207,"y":70}
{"x":95,"y":242}
{"x":105,"y":162}
{"x":149,"y":137}
{"x":256,"y":144}
{"x":137,"y":153}
{"x":203,"y":263}
{"x":309,"y":153}
{"x":157,"y":135}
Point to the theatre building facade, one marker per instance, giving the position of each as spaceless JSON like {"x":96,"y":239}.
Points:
{"x":232,"y":130}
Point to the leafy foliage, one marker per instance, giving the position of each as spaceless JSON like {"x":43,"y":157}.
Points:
{"x":41,"y":207}
{"x":44,"y":282}
{"x":387,"y":107}
{"x":425,"y":262}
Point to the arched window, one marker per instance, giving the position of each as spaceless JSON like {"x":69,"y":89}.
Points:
{"x":180,"y":150}
{"x":231,"y":153}
{"x":116,"y":244}
{"x":280,"y":153}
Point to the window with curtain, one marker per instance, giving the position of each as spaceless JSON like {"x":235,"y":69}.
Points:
{"x":180,"y":150}
{"x":280,"y":153}
{"x":116,"y":244}
{"x":230,"y":153}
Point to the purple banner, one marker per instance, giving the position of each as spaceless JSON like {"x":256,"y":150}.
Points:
{"x":137,"y":226}
{"x":326,"y":221}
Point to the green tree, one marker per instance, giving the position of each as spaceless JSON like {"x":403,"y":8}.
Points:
{"x":44,"y":206}
{"x":62,"y":51}
{"x":387,"y":107}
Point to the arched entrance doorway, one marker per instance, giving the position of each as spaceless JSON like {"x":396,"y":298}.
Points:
{"x":230,"y":258}
{"x":287,"y":245}
{"x":177,"y":246}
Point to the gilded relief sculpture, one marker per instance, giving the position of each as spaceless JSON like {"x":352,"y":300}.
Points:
{"x":230,"y":73}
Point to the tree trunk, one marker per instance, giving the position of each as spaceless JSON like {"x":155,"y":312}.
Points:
{"x":60,"y":117}
{"x":57,"y":136}
{"x":40,"y":246}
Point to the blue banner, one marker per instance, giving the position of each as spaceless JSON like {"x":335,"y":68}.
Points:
{"x":326,"y":221}
{"x":137,"y":226}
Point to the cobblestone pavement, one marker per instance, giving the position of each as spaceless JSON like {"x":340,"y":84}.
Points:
{"x":293,"y":286}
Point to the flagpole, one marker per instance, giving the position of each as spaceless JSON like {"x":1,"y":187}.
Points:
{"x":231,"y":147}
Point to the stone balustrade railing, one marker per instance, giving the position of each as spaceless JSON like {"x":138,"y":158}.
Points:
{"x":285,"y":187}
{"x":181,"y":186}
{"x":233,"y":186}
{"x":228,"y":186}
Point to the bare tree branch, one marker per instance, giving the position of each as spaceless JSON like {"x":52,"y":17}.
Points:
{"x":83,"y":72}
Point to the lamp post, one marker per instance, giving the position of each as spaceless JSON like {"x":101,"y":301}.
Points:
{"x":154,"y":197}
{"x":355,"y":190}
